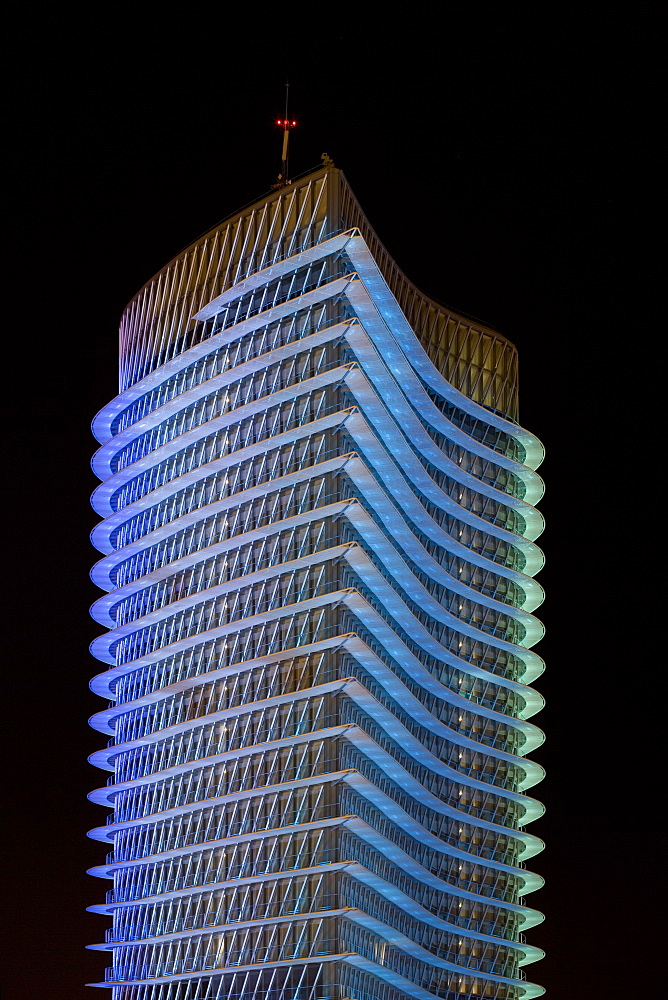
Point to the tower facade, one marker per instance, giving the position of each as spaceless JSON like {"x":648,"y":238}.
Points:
{"x":318,"y":559}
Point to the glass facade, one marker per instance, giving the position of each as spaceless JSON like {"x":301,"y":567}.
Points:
{"x":318,"y":544}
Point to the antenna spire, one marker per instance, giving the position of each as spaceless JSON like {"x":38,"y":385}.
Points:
{"x":286,"y":124}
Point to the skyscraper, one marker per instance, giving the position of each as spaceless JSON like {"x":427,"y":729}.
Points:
{"x":319,"y":552}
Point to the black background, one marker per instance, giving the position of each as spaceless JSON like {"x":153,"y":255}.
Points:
{"x":503,"y":156}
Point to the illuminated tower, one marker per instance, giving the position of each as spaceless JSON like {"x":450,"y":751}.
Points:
{"x":318,"y":556}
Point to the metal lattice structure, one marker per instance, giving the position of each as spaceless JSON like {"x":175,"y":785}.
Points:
{"x":318,"y":544}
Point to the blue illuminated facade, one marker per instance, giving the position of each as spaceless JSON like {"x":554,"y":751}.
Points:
{"x":318,"y":560}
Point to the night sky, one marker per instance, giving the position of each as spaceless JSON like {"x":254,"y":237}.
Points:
{"x":500,"y":157}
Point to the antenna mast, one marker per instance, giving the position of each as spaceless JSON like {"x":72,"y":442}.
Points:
{"x":287,"y":124}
